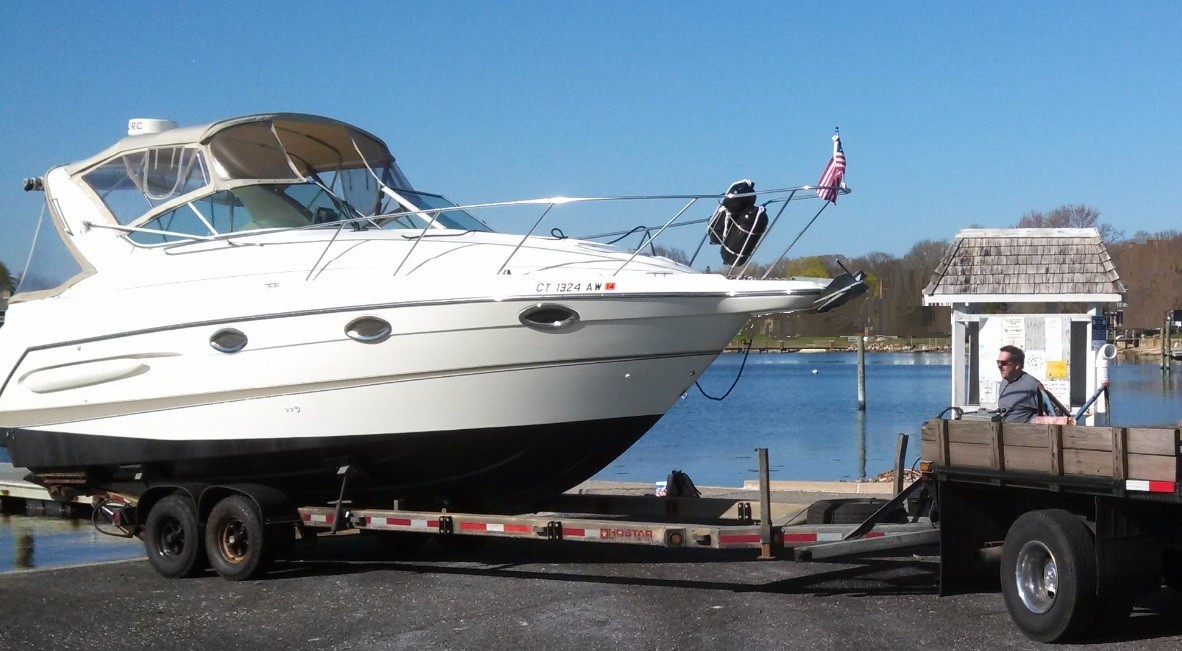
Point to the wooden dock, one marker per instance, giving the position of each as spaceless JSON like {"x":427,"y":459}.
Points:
{"x":18,"y":496}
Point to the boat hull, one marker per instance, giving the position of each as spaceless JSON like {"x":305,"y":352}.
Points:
{"x":463,"y":397}
{"x":469,"y":467}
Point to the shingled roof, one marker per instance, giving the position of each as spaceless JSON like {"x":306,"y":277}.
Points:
{"x":1016,"y":265}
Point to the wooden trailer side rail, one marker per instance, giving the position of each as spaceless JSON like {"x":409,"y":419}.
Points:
{"x":1134,"y":455}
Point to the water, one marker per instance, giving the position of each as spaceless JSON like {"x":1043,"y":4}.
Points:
{"x":810,"y":423}
{"x":802,"y":407}
{"x":27,"y":542}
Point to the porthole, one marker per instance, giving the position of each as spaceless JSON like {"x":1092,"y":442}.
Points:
{"x":368,"y":330}
{"x":228,"y":340}
{"x":549,"y":317}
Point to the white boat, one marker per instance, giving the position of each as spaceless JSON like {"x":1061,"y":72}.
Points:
{"x":266,"y":299}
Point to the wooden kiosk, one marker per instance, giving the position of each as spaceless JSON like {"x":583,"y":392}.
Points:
{"x":1041,"y":289}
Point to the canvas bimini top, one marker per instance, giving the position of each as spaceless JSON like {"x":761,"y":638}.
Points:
{"x":142,"y":174}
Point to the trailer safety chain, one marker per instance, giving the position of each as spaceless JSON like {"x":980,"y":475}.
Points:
{"x":114,"y":515}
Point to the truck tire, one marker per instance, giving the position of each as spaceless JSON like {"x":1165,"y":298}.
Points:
{"x":1048,"y":575}
{"x":173,"y":539}
{"x":236,"y":539}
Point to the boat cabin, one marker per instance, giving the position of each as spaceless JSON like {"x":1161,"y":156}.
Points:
{"x":163,"y":185}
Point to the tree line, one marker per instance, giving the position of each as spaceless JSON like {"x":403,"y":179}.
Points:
{"x":7,"y":282}
{"x":1150,"y":264}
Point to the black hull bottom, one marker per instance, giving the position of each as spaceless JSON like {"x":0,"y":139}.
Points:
{"x":468,"y":467}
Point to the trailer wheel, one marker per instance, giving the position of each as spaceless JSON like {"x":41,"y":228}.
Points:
{"x":236,"y":539}
{"x":173,"y":539}
{"x":1048,"y":575}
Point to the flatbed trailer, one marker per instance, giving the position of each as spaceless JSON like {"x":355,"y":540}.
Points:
{"x":669,"y":522}
{"x":239,"y":529}
{"x":1081,"y":519}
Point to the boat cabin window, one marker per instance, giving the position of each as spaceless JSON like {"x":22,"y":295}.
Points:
{"x":405,"y":213}
{"x":360,"y":188}
{"x":251,"y":207}
{"x":135,"y":183}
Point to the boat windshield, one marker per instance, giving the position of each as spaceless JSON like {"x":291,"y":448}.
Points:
{"x":405,"y":213}
{"x":351,"y":164}
{"x":245,"y":208}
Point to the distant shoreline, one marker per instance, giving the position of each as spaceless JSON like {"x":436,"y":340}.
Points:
{"x":871,"y":347}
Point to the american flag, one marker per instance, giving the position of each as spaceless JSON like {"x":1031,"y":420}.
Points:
{"x":831,"y":178}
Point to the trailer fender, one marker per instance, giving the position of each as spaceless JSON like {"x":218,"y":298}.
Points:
{"x":156,"y":492}
{"x":273,"y":505}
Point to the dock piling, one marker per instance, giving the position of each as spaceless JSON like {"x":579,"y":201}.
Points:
{"x":862,"y":372}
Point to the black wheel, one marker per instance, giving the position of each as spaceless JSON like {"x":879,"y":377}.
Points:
{"x":173,"y":539}
{"x":236,"y":540}
{"x":1048,"y":575}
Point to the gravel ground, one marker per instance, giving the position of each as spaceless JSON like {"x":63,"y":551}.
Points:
{"x":345,"y":593}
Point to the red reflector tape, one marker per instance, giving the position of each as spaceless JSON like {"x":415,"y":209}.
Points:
{"x":800,"y":537}
{"x":318,"y":519}
{"x":1150,"y":486}
{"x":495,"y":527}
{"x":738,"y":538}
{"x":409,"y":523}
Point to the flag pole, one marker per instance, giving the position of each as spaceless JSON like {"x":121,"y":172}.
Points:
{"x":836,"y":191}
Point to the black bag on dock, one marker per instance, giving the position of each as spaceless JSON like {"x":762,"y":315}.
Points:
{"x":679,"y":484}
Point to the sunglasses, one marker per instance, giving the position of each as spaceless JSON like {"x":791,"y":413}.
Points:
{"x":1002,"y":363}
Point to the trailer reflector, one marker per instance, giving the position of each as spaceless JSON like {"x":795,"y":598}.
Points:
{"x":316,"y":518}
{"x":830,"y":536}
{"x":737,"y":539}
{"x":496,"y":527}
{"x":1150,"y":486}
{"x":405,"y":523}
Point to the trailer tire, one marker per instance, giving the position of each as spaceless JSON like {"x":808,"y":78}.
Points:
{"x":1048,"y":575}
{"x":236,"y":539}
{"x":172,"y":538}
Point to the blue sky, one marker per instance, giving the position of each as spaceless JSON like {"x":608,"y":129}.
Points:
{"x":951,"y":113}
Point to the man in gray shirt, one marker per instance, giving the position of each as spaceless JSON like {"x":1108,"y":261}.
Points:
{"x":1017,"y":402}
